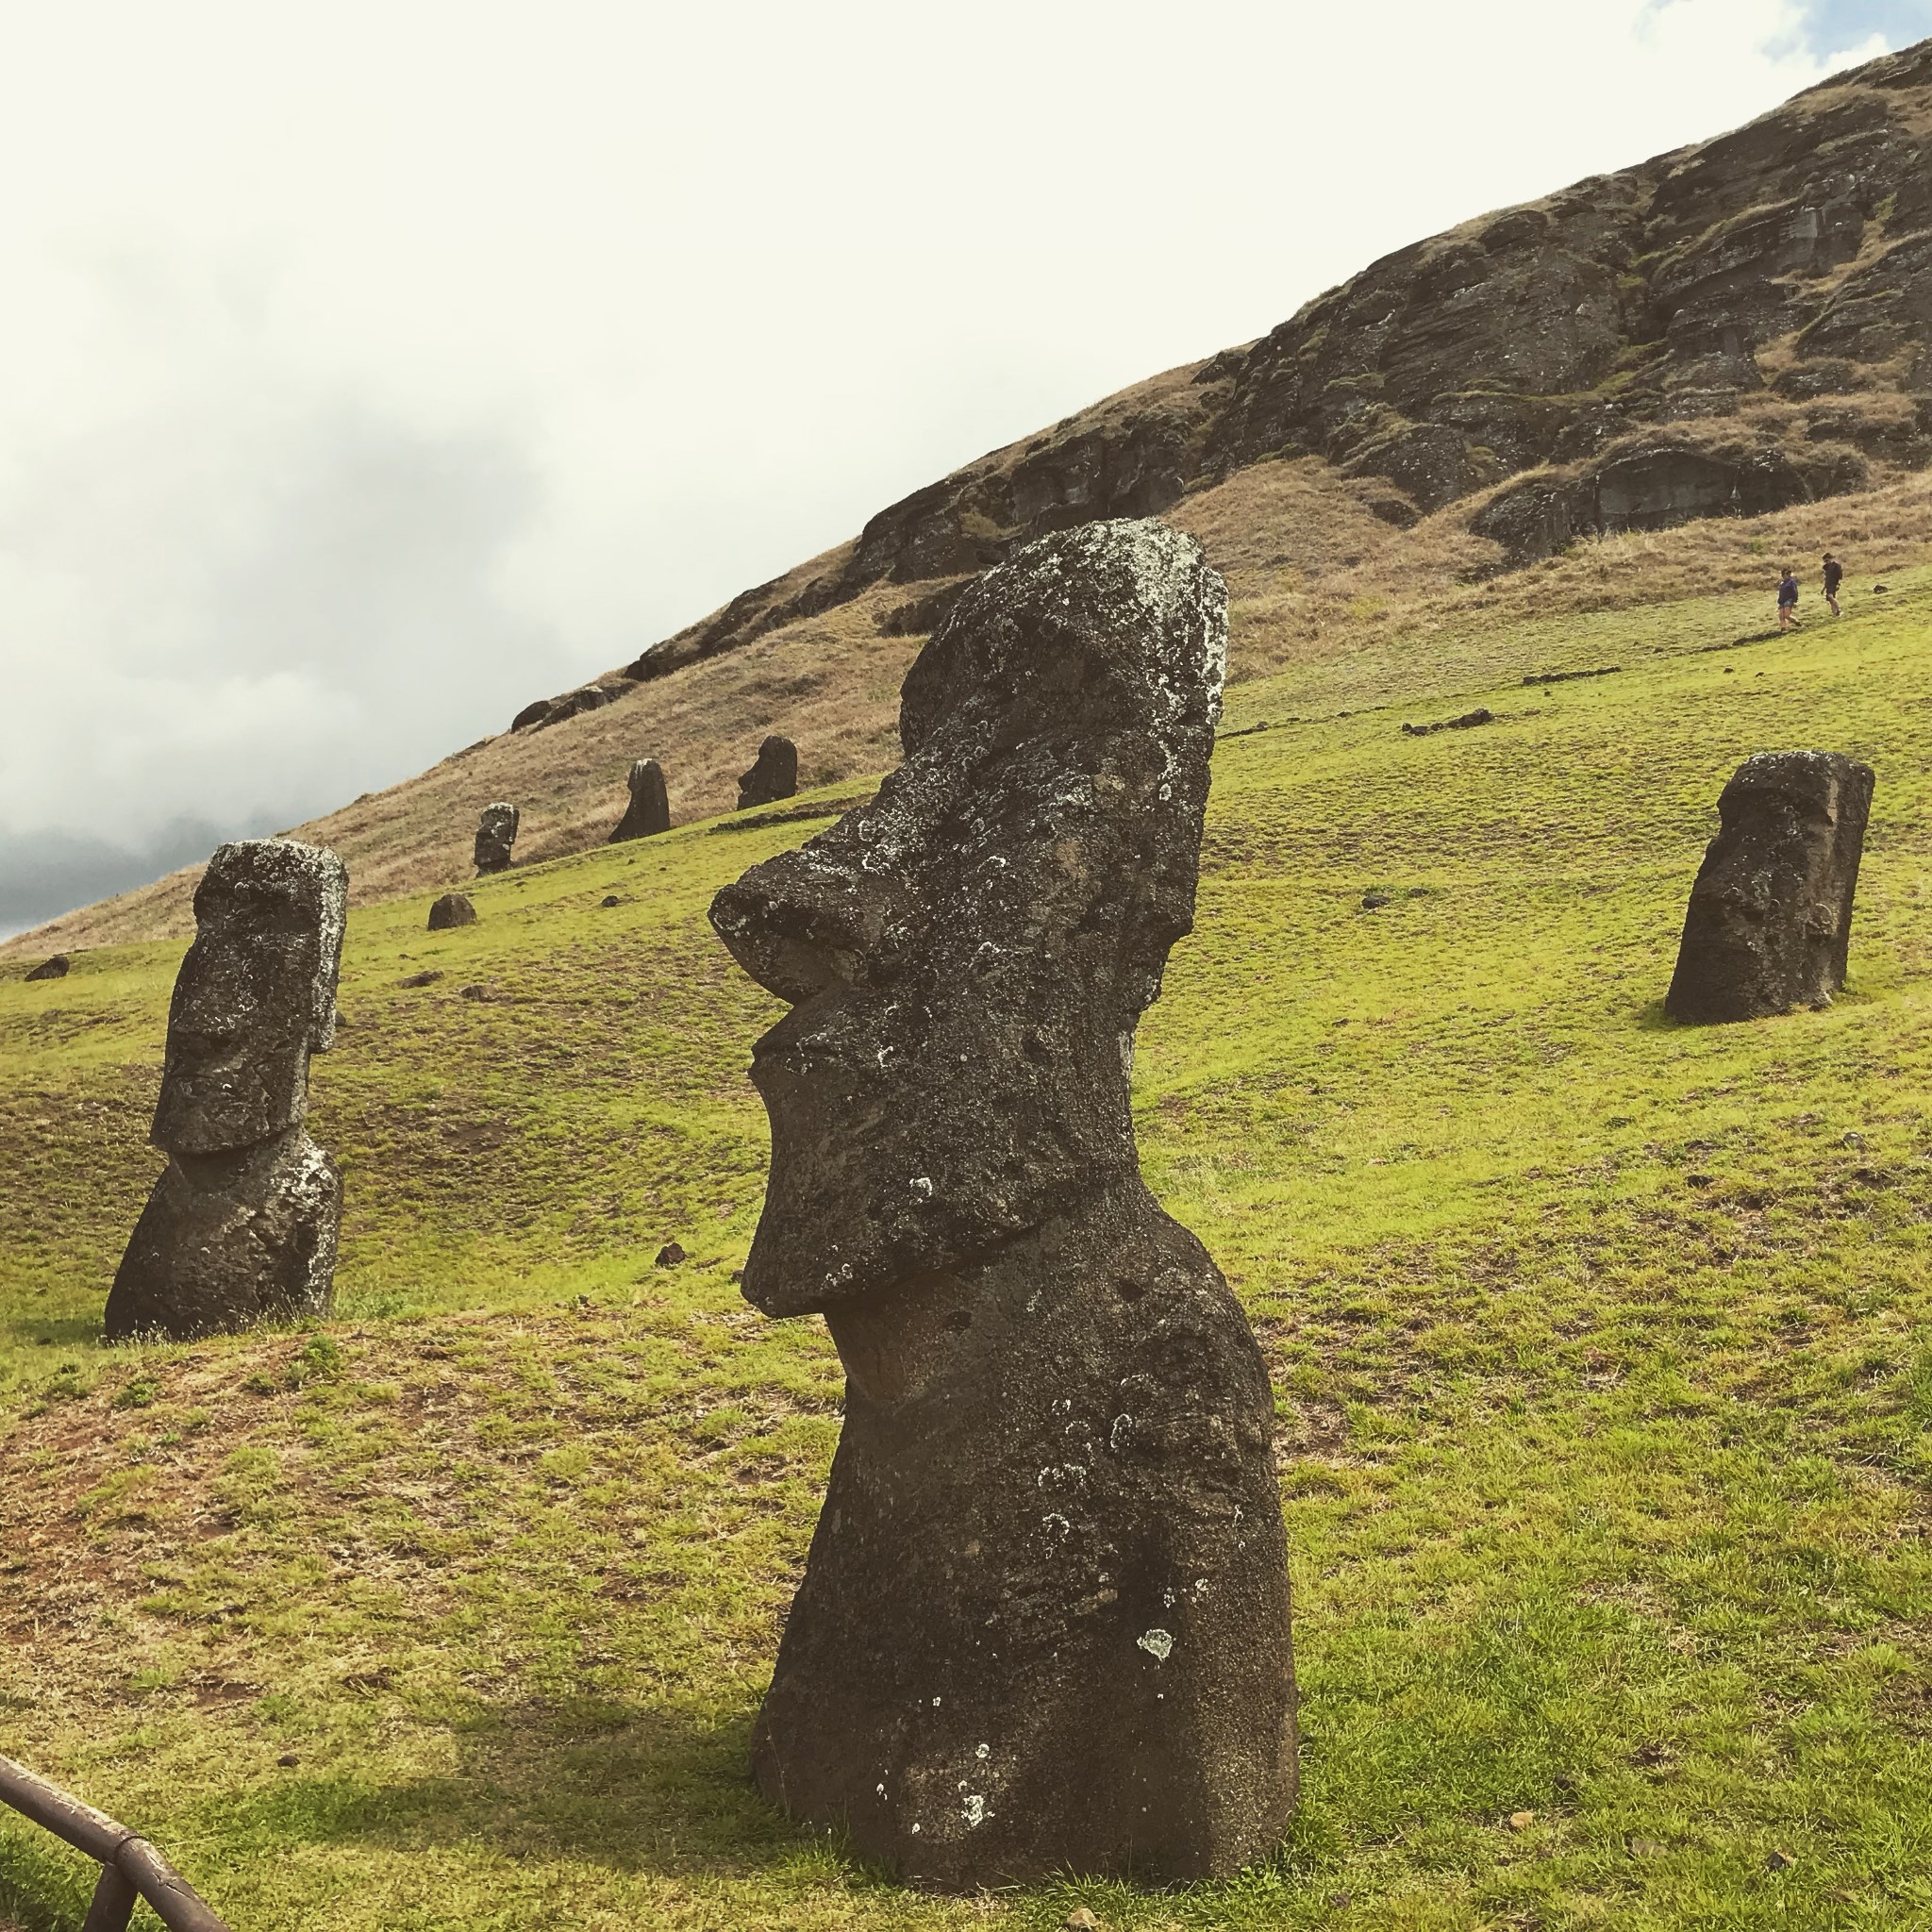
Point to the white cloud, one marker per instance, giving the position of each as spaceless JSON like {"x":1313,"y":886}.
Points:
{"x":366,"y":371}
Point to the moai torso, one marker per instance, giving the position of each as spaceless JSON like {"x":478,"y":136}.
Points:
{"x":240,"y":1228}
{"x":649,"y":812}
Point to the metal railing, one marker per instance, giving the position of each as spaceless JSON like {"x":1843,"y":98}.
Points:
{"x":130,"y":1867}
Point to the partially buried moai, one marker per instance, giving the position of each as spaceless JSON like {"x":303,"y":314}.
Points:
{"x":496,"y":836}
{"x":773,"y":774}
{"x":240,"y":1228}
{"x":1770,"y":919}
{"x":1045,"y":1624}
{"x":649,"y":812}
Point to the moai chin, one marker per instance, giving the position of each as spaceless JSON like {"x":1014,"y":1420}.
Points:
{"x":497,"y":834}
{"x":1045,"y":1625}
{"x":773,"y":774}
{"x":241,"y":1227}
{"x":649,"y":812}
{"x":1770,"y":920}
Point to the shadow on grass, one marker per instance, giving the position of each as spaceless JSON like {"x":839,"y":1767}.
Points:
{"x":665,"y":1790}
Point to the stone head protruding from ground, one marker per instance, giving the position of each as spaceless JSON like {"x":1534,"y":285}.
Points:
{"x":496,"y":838}
{"x":242,"y":1227}
{"x":649,"y":812}
{"x":450,"y":911}
{"x":1769,"y":926}
{"x":1044,"y":1625}
{"x":773,"y":774}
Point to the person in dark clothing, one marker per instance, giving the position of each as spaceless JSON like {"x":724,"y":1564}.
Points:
{"x":1834,"y":577}
{"x":1787,"y":598}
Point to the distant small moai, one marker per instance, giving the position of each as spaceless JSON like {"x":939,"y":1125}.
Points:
{"x":650,"y":808}
{"x":497,"y":834}
{"x":241,"y":1227}
{"x":1770,"y":920}
{"x":774,"y":777}
{"x":452,"y":909}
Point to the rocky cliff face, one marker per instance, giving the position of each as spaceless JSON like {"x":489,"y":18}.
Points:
{"x":1724,"y":331}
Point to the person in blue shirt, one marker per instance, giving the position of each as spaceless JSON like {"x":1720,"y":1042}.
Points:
{"x":1787,"y":598}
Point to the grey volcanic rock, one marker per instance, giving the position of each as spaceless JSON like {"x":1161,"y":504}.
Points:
{"x":1044,"y":1625}
{"x":242,"y":1227}
{"x":573,"y":703}
{"x":649,"y":810}
{"x":496,"y":835}
{"x":1770,"y":920}
{"x":774,"y":774}
{"x":54,"y":968}
{"x":452,"y":909}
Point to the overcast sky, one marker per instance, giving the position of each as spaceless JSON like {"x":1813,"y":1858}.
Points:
{"x":369,"y":370}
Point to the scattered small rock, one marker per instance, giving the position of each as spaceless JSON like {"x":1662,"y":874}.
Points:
{"x":1080,"y":1920}
{"x":670,"y":1255}
{"x":1698,"y":1180}
{"x":288,"y":1761}
{"x":610,"y":899}
{"x":54,"y":968}
{"x":451,"y":911}
{"x":1481,"y":715}
{"x":1372,"y":901}
{"x":1644,"y":1848}
{"x":1881,"y":589}
{"x":1780,"y":1862}
{"x":1852,"y":1141}
{"x":473,"y":992}
{"x":1564,"y":676}
{"x":1522,"y":1821}
{"x":427,"y":979}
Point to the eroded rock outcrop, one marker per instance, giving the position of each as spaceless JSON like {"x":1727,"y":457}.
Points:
{"x":773,"y":774}
{"x":1775,"y":282}
{"x":496,"y":838}
{"x":649,"y":812}
{"x":1770,"y":920}
{"x":240,"y":1228}
{"x":1045,"y":1625}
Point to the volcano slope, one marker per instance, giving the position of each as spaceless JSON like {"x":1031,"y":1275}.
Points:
{"x":1738,"y":328}
{"x":1601,"y":1349}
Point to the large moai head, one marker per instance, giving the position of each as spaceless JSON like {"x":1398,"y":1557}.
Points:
{"x":773,"y":774}
{"x":967,"y":955}
{"x":255,"y":997}
{"x":1770,"y":920}
{"x":496,"y":837}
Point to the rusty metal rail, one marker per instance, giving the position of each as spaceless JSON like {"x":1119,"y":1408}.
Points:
{"x":130,"y":1867}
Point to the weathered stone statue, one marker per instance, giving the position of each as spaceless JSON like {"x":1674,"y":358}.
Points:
{"x":1045,"y":1625}
{"x":240,"y":1228}
{"x":450,"y":911}
{"x":1770,"y":920}
{"x":773,"y":774}
{"x":496,"y":833}
{"x":649,"y":810}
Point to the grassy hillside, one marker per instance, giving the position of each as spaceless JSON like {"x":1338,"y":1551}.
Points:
{"x":1601,"y":1345}
{"x":1332,"y":608}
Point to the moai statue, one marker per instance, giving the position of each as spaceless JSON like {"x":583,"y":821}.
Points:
{"x":649,"y":810}
{"x":773,"y":774}
{"x":496,"y":833}
{"x":1770,"y":920}
{"x":240,"y":1228}
{"x":1045,"y":1625}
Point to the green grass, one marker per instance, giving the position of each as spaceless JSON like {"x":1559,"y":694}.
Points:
{"x":1603,"y":1349}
